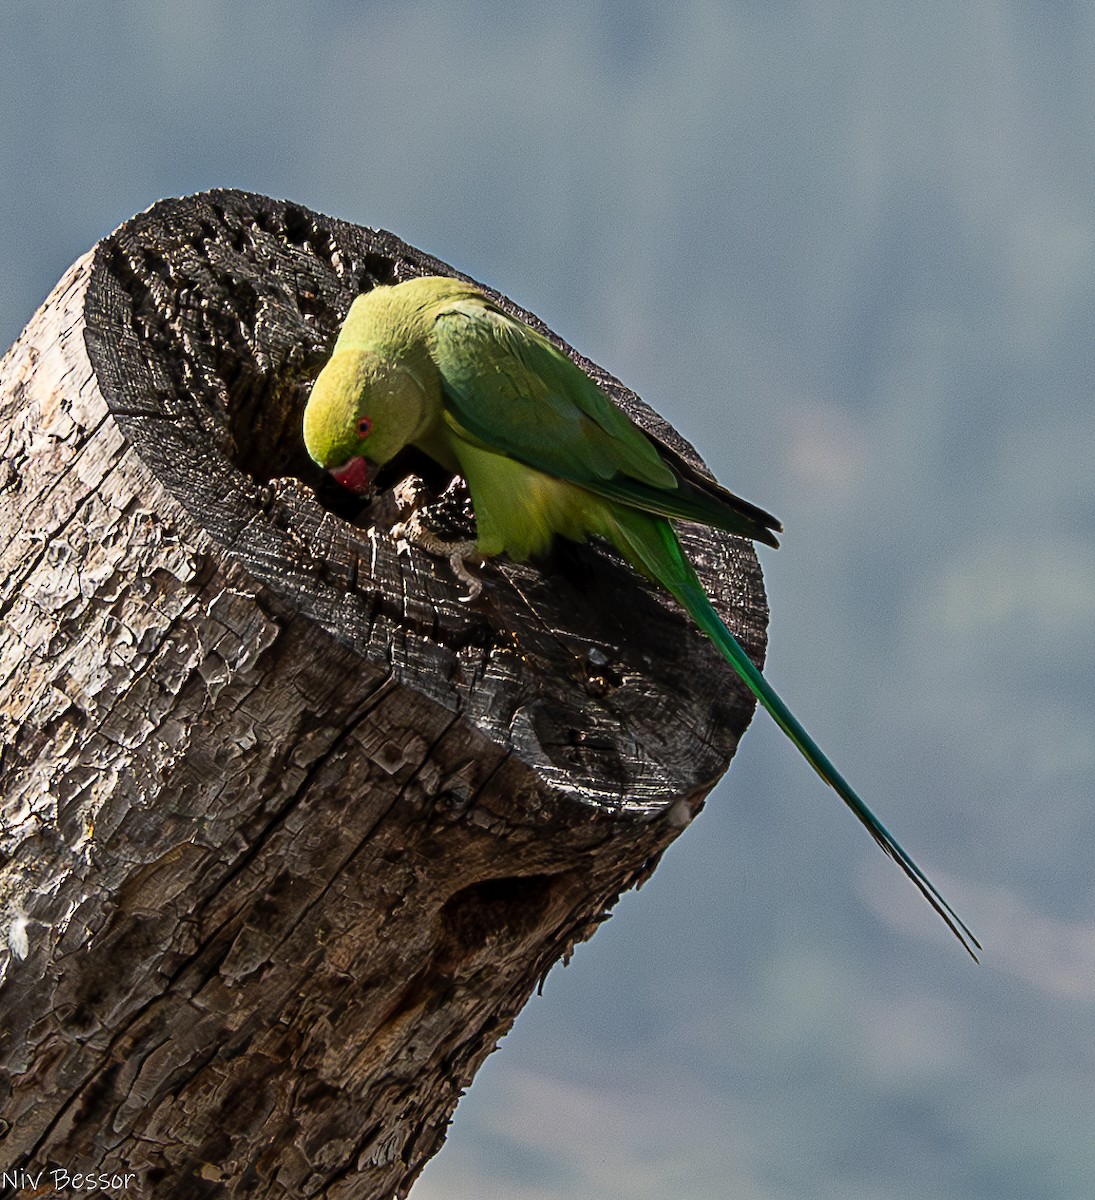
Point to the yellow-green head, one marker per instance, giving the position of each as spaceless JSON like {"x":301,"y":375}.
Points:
{"x":362,"y":411}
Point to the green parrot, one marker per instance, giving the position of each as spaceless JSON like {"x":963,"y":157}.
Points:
{"x":434,"y":363}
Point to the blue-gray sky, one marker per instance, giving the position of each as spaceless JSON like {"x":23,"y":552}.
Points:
{"x":849,"y":250}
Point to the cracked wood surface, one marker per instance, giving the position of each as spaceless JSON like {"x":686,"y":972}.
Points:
{"x":289,"y":833}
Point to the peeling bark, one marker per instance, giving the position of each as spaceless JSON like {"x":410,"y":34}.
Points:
{"x":289,"y":833}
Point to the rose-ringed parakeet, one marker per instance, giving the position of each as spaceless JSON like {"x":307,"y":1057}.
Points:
{"x":434,"y":363}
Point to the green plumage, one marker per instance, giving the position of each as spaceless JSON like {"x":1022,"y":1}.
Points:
{"x":434,"y":363}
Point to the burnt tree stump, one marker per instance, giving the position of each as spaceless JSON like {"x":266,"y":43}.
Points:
{"x":289,"y":832}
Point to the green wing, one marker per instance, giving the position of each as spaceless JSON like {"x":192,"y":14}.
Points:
{"x":512,"y":390}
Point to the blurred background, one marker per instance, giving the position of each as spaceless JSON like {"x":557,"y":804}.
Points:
{"x":848,"y":250}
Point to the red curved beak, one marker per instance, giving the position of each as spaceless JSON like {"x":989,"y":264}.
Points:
{"x":357,"y":475}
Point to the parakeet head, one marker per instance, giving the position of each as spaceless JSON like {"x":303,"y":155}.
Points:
{"x":362,"y":411}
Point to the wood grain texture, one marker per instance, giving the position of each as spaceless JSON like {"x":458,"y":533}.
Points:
{"x":289,"y":832}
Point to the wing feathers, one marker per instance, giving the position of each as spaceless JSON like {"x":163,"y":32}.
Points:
{"x":513,"y":390}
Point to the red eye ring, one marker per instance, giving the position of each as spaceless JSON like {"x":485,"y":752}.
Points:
{"x":364,"y":427}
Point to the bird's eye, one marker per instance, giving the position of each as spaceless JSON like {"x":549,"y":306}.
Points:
{"x":364,"y":427}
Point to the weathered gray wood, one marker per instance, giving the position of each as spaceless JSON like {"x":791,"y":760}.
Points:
{"x":289,"y":833}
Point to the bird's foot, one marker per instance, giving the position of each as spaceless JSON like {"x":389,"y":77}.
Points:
{"x":459,"y":553}
{"x":414,"y":530}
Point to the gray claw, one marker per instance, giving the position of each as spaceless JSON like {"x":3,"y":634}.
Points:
{"x":412,"y":532}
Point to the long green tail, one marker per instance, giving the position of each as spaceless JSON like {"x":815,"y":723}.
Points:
{"x":652,"y":546}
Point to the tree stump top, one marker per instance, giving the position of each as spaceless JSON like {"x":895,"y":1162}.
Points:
{"x":208,"y":318}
